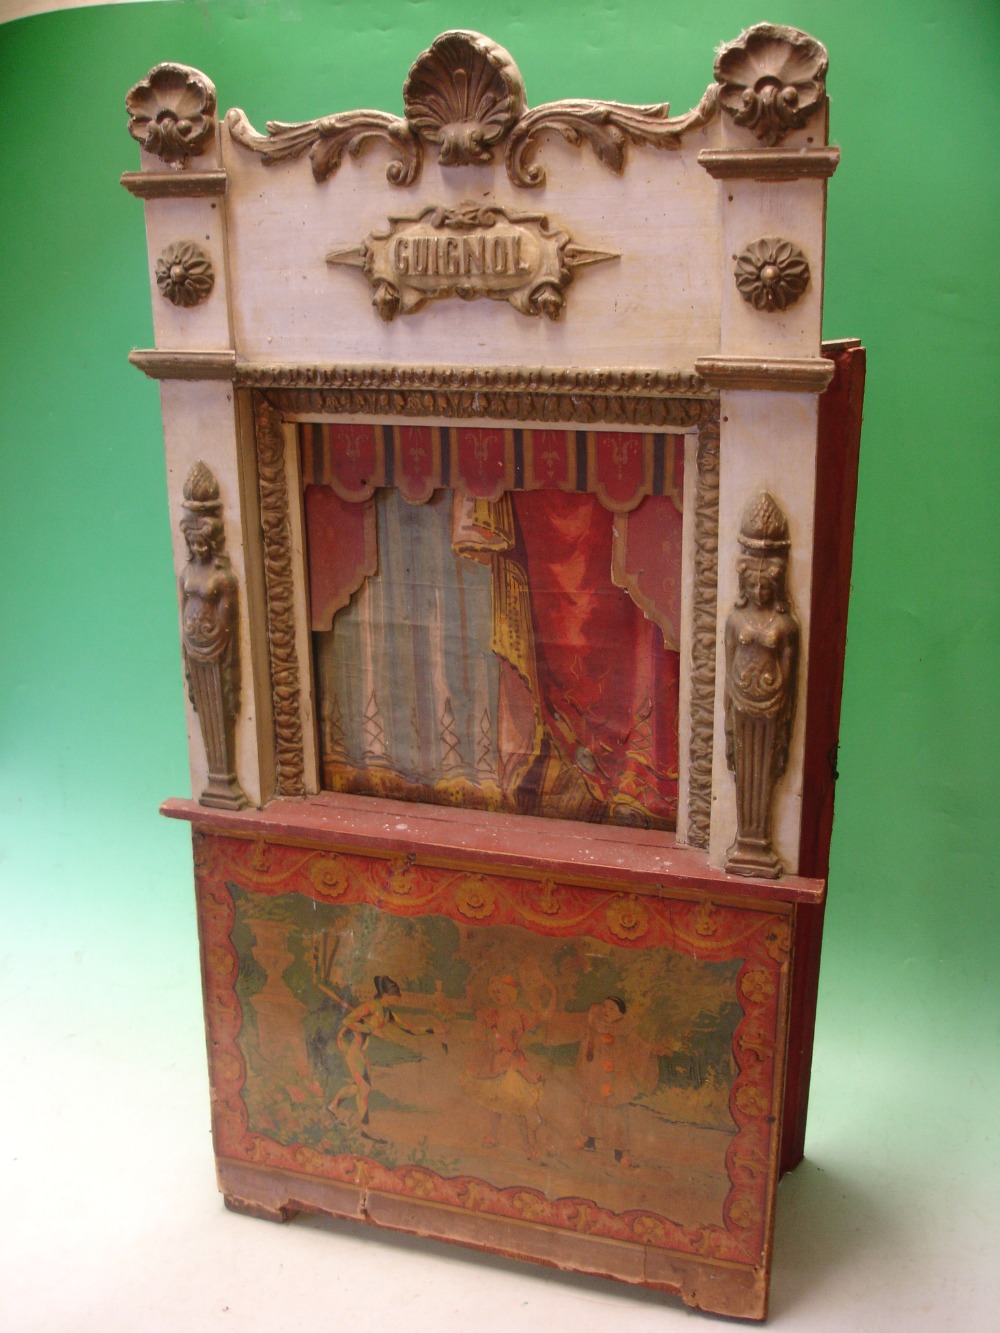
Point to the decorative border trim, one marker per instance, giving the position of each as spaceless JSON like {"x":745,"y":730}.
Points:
{"x":272,"y":406}
{"x":648,"y":398}
{"x":769,"y":164}
{"x":703,"y":634}
{"x":173,"y":185}
{"x":279,"y":586}
{"x":788,"y":375}
{"x":163,"y":365}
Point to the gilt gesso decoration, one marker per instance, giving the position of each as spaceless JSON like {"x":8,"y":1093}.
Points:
{"x":172,"y":113}
{"x":772,"y":79}
{"x":184,"y":274}
{"x":210,"y":636}
{"x":762,"y":653}
{"x":771,"y":274}
{"x":469,"y":251}
{"x":465,"y":98}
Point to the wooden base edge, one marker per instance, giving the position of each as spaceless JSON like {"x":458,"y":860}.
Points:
{"x":714,"y":1287}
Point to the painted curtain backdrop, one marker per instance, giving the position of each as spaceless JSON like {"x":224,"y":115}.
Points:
{"x":488,"y":643}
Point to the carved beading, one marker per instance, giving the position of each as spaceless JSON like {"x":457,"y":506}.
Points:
{"x":635,"y":398}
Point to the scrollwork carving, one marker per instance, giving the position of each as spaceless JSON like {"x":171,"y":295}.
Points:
{"x":172,"y":113}
{"x":608,"y":127}
{"x":771,"y":274}
{"x":210,"y":636}
{"x":328,"y":139}
{"x":762,"y":653}
{"x":464,"y":97}
{"x":184,"y":274}
{"x":772,"y":79}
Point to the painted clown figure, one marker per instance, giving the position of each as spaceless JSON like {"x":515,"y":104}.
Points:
{"x":613,"y":1067}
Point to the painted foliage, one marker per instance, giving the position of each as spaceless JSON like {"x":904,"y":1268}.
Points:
{"x":551,"y":1053}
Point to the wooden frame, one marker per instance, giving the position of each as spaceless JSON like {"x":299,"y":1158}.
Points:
{"x":614,"y":291}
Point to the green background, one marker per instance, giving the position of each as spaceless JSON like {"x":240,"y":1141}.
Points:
{"x":97,"y":889}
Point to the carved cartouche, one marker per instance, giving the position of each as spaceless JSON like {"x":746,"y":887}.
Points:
{"x":762,"y":651}
{"x":210,"y":636}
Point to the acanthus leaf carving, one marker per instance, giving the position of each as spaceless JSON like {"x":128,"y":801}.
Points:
{"x":608,"y":127}
{"x":772,"y":80}
{"x":327,"y":140}
{"x":464,"y":96}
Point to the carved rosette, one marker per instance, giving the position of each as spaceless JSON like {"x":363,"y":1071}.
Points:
{"x":762,"y":653}
{"x":464,"y":97}
{"x":771,"y":274}
{"x":772,"y":79}
{"x":184,"y":274}
{"x":210,"y":636}
{"x":172,"y":113}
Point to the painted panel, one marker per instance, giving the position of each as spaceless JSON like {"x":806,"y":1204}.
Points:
{"x":557,"y":1055}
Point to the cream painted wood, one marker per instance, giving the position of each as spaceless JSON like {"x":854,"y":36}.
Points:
{"x":199,"y":422}
{"x":768,"y":443}
{"x":205,"y":326}
{"x":792,"y":211}
{"x":656,"y":306}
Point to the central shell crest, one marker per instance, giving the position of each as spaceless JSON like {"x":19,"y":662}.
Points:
{"x":464,"y":94}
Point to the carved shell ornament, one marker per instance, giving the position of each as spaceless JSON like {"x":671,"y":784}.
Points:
{"x":772,"y":274}
{"x":172,"y":113}
{"x":464,"y":94}
{"x":772,"y":79}
{"x":184,"y":274}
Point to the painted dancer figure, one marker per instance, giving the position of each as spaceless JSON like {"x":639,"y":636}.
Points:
{"x":371,"y":1018}
{"x":503,"y":1080}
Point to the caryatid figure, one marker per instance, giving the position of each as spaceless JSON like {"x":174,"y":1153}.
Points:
{"x":210,"y":636}
{"x":762,"y":654}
